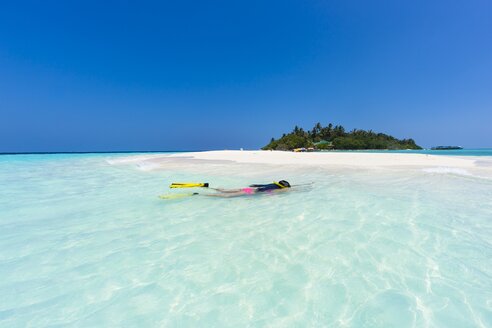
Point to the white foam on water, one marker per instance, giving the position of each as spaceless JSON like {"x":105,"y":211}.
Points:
{"x":447,"y":170}
{"x":133,"y":159}
{"x":478,"y":172}
{"x":147,"y":166}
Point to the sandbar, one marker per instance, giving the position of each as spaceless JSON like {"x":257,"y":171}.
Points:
{"x":352,"y":159}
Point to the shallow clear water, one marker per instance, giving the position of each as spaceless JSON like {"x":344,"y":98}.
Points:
{"x":85,"y":241}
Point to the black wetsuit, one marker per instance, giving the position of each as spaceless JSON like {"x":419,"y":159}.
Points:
{"x":265,"y":187}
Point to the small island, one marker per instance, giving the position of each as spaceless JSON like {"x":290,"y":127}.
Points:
{"x":336,"y":138}
{"x":447,"y":148}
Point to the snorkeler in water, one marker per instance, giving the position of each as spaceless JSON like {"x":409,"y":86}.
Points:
{"x":282,"y":185}
{"x":253,"y":189}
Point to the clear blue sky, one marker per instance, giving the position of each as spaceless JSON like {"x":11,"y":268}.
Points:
{"x":114,"y":75}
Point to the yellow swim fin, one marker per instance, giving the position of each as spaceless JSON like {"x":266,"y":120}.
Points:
{"x":188,"y":185}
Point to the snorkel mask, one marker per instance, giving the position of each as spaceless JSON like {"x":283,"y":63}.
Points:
{"x":282,"y":184}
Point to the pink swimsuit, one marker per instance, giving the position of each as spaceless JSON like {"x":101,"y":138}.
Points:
{"x":248,"y":191}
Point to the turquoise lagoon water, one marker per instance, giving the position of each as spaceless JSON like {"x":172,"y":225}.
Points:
{"x":86,"y":242}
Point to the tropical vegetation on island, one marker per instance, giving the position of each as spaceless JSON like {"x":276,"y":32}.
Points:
{"x":335,"y":137}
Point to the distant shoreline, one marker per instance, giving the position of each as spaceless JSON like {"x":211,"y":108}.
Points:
{"x":428,"y":151}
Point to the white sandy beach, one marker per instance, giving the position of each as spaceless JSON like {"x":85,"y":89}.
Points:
{"x":355,"y":159}
{"x":462,"y":165}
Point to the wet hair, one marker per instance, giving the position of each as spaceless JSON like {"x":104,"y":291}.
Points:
{"x":284,"y":183}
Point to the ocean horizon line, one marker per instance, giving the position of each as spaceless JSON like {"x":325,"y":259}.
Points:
{"x":99,"y":152}
{"x":204,"y":150}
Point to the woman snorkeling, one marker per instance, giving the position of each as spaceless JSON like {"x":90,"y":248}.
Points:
{"x":282,"y":185}
{"x":253,"y":189}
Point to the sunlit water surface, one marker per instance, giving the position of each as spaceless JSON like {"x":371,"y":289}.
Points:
{"x":86,"y":242}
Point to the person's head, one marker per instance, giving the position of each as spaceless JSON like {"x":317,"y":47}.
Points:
{"x":284,"y":183}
